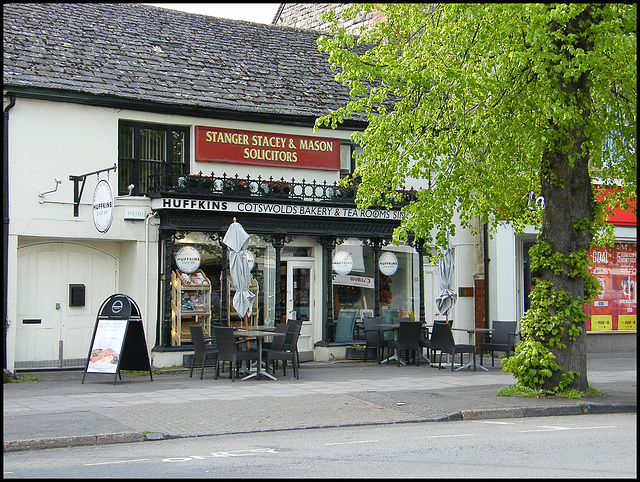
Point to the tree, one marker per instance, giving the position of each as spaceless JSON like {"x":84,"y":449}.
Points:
{"x":493,"y":105}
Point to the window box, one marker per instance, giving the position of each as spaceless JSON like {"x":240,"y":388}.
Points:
{"x":358,"y":353}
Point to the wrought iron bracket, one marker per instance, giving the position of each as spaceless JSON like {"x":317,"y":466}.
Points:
{"x":77,"y":189}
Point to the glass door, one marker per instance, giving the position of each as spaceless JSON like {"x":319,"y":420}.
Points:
{"x":299,"y":290}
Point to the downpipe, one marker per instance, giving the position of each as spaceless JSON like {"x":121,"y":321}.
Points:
{"x":5,"y":210}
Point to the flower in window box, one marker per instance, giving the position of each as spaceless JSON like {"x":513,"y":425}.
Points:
{"x":235,"y":185}
{"x":279,"y":187}
{"x":409,"y":195}
{"x":348,"y":192}
{"x":198,"y":181}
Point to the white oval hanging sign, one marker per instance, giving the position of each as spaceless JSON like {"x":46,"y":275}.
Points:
{"x":188,"y":259}
{"x":342,"y":262}
{"x":102,"y":206}
{"x":388,"y":263}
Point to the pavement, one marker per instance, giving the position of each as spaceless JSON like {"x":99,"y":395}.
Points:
{"x":58,"y":410}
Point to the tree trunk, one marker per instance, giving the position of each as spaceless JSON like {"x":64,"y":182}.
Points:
{"x":568,"y":196}
{"x":563,"y":207}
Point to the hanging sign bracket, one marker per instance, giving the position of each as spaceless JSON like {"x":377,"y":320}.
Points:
{"x":77,"y":189}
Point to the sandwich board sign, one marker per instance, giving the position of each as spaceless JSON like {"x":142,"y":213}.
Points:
{"x":118,"y":341}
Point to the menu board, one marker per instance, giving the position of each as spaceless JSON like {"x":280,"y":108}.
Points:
{"x":615,"y":309}
{"x":107,"y":346}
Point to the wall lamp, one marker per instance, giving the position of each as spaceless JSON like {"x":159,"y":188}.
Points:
{"x":58,"y":182}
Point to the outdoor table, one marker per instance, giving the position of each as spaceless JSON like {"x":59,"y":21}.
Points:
{"x":395,"y":327}
{"x":472,"y":341}
{"x":259,"y":336}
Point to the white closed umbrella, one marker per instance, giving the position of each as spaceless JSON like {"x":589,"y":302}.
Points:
{"x":237,"y":240}
{"x":447,"y":297}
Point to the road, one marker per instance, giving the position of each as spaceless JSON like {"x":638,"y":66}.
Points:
{"x":593,"y":446}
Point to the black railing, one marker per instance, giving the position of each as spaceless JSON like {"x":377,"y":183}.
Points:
{"x":202,"y":184}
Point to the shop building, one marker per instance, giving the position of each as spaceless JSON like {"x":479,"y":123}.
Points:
{"x":134,"y":136}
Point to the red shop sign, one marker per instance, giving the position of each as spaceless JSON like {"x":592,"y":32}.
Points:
{"x":616,"y":216}
{"x":266,"y":148}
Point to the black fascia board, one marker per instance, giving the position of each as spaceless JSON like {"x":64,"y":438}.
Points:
{"x":59,"y":95}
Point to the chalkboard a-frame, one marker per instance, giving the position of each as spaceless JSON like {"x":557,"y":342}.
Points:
{"x":118,"y":341}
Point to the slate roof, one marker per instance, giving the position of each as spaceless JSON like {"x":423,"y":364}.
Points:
{"x":150,"y":54}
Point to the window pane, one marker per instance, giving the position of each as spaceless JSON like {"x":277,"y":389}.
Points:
{"x":178,"y":146}
{"x":149,"y":173}
{"x":152,"y":145}
{"x":126,"y":142}
{"x":125,"y":175}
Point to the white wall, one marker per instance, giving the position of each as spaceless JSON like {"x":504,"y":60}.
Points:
{"x":502,"y":275}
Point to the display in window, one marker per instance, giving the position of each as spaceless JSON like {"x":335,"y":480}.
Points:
{"x":385,"y":290}
{"x":190,"y":304}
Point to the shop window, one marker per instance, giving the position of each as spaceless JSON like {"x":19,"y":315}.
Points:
{"x":399,"y":281}
{"x":196,"y":289}
{"x":296,"y":252}
{"x":354,"y":278}
{"x":147,"y":153}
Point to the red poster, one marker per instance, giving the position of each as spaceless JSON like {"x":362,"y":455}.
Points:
{"x":615,"y":269}
{"x":215,"y":144}
{"x":624,"y":282}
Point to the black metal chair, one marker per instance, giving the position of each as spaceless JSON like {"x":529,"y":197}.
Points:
{"x":287,"y":353}
{"x":502,"y":338}
{"x":229,"y":350}
{"x":204,"y":349}
{"x":425,"y":342}
{"x":387,"y":319}
{"x":279,"y":340}
{"x":277,"y":344}
{"x":409,"y":334}
{"x":288,"y":340}
{"x":375,"y":336}
{"x":442,"y":340}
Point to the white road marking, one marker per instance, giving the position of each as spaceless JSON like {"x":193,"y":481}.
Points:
{"x":117,"y":462}
{"x":551,"y":428}
{"x":493,"y":422}
{"x":449,"y":436}
{"x":354,"y":442}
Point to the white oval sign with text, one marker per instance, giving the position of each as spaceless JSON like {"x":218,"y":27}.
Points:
{"x":342,"y":262}
{"x":188,"y":259}
{"x":102,"y":206}
{"x":388,"y":263}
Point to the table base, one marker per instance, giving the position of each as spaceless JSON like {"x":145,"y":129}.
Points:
{"x":469,"y":365}
{"x":395,"y":357}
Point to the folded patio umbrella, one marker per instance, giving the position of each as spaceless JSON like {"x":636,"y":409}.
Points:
{"x":447,"y":297}
{"x":237,"y":240}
